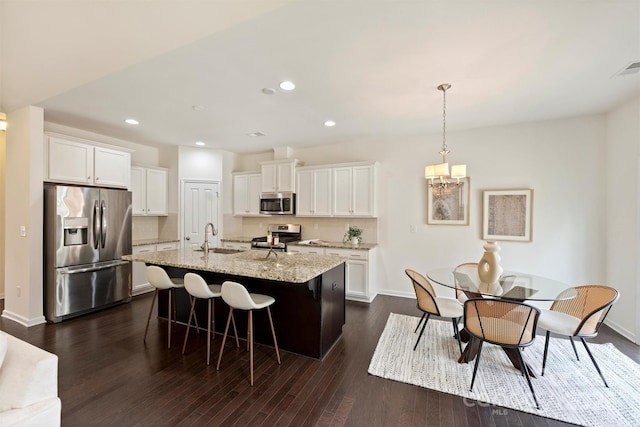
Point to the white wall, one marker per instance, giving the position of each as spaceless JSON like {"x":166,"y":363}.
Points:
{"x":3,"y":204}
{"x":557,"y":159}
{"x":622,"y":220}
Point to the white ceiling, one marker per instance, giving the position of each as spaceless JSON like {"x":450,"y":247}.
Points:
{"x":372,"y":66}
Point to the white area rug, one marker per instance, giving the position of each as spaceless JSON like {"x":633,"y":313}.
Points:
{"x":570,"y":390}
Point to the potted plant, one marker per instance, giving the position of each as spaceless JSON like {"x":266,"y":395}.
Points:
{"x":353,"y":235}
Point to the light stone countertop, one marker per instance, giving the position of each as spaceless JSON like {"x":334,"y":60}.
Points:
{"x":144,"y":242}
{"x":288,"y":267}
{"x":335,"y":245}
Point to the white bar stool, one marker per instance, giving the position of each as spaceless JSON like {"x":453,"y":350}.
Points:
{"x":237,"y":297}
{"x":197,"y":287}
{"x":160,"y":280}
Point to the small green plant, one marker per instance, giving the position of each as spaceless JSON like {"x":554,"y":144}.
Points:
{"x":353,"y":232}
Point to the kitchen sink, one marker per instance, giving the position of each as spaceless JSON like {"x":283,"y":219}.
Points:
{"x":221,"y":250}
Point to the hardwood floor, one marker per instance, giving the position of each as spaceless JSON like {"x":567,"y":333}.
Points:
{"x":109,"y":377}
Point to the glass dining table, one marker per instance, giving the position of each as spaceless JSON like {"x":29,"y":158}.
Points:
{"x":511,"y":285}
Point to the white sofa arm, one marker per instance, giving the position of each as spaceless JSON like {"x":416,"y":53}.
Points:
{"x":28,"y":378}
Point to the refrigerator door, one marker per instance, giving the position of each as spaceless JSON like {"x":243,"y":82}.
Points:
{"x":114,"y":215}
{"x":69,"y":231}
{"x":80,"y":289}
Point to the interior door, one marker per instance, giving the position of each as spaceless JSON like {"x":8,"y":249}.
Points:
{"x":200,"y":206}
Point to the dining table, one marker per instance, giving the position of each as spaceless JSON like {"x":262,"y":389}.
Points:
{"x":511,"y":285}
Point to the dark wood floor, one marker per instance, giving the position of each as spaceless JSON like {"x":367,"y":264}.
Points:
{"x":109,"y":377}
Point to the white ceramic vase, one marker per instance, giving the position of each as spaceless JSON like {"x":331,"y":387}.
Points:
{"x":489,"y":269}
{"x":355,"y":241}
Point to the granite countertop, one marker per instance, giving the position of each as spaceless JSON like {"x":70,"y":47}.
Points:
{"x":239,"y":239}
{"x":143,"y":242}
{"x":288,"y":267}
{"x":336,"y":245}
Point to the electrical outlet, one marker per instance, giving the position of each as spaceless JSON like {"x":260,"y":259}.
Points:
{"x":19,"y":290}
{"x":23,"y":231}
{"x":346,"y":227}
{"x":413,"y":228}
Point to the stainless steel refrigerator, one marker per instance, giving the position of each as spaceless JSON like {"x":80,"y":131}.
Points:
{"x":86,"y":232}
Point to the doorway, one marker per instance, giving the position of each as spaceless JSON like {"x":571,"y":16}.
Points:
{"x":200,"y":205}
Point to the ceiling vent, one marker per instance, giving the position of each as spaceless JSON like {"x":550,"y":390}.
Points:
{"x":632,"y":68}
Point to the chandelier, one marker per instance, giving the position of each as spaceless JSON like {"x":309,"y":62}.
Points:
{"x":438,"y":174}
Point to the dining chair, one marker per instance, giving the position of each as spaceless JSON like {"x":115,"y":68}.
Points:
{"x":429,"y":303}
{"x":579,"y":317}
{"x":509,"y":324}
{"x":237,"y":297}
{"x":460,"y":295}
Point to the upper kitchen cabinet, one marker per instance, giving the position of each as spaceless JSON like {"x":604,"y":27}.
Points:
{"x":354,"y":190}
{"x":313,"y":191}
{"x":246,"y":193}
{"x":278,"y":175}
{"x":77,"y":162}
{"x":149,"y":188}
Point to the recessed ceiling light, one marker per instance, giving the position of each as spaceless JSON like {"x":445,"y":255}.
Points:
{"x":132,"y":121}
{"x":268,"y":90}
{"x":197,"y":108}
{"x":200,"y":143}
{"x":253,"y":134}
{"x":287,"y":85}
{"x":329,"y":123}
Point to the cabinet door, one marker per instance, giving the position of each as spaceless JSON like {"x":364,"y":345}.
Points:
{"x":166,"y":246}
{"x":112,"y":168}
{"x":362,"y":191}
{"x":269,"y":177}
{"x":342,"y":183}
{"x":70,"y":161}
{"x":157,"y":187}
{"x":253,"y":193}
{"x":356,"y":278}
{"x":285,"y":177}
{"x":322,"y":192}
{"x":240,"y":194}
{"x":304,"y":193}
{"x":305,"y":249}
{"x":139,"y":271}
{"x":237,"y":245}
{"x":138,"y":191}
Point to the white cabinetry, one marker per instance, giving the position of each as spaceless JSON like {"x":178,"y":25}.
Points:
{"x":242,"y":246}
{"x":149,"y":187}
{"x":354,"y":189}
{"x":313,"y":192}
{"x":360,"y":277}
{"x":77,"y":162}
{"x":246,"y":193}
{"x":139,"y":281}
{"x":278,"y":175}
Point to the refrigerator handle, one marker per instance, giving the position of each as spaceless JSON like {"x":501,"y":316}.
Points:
{"x":103,"y":227}
{"x":96,"y":225}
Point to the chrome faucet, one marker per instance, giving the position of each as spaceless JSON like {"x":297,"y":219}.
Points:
{"x":205,"y":245}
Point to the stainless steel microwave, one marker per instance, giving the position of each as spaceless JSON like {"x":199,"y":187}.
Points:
{"x":278,"y":203}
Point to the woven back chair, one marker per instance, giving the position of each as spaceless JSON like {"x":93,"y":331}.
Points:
{"x":429,"y":303}
{"x":462,"y":268}
{"x":580,"y":317}
{"x":505,"y":323}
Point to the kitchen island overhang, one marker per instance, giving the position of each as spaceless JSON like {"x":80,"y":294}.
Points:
{"x":309,"y":290}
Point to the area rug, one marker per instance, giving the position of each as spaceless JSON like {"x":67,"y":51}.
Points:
{"x":570,"y":390}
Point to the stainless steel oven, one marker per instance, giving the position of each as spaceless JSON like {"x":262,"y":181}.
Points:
{"x":278,"y":203}
{"x":278,"y":236}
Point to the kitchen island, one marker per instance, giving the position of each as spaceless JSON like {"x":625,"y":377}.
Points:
{"x":309,"y":311}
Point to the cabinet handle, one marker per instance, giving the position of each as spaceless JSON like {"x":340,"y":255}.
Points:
{"x":97,"y":178}
{"x":89,"y":178}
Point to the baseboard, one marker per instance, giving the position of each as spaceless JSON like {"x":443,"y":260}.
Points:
{"x":621,"y":330}
{"x":23,"y":320}
{"x":411,"y":295}
{"x":142,"y":289}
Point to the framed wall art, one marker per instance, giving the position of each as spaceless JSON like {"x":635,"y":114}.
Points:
{"x":449,"y":205}
{"x":506,"y":215}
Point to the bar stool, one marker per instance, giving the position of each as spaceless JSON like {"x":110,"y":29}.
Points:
{"x":160,"y":280}
{"x":237,"y":297}
{"x":197,"y":287}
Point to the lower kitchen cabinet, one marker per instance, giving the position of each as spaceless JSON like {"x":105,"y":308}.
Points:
{"x":241,"y":246}
{"x":139,"y":282}
{"x":360,"y":277}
